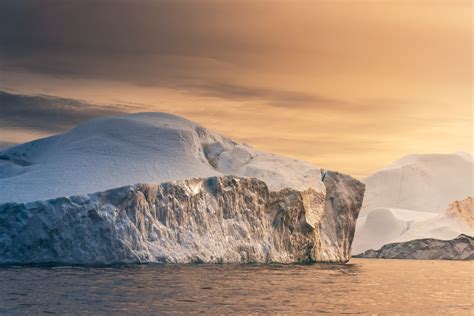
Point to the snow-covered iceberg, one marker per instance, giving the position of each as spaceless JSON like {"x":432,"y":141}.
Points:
{"x":416,"y":197}
{"x":168,"y":190}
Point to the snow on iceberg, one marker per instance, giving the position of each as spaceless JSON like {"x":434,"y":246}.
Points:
{"x":110,"y":152}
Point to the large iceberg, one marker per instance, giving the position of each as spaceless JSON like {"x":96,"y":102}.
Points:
{"x":168,"y":190}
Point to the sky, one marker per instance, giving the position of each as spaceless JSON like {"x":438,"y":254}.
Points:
{"x":348,"y":85}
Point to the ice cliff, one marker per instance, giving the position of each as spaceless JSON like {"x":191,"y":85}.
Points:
{"x":168,"y":190}
{"x":217,"y":219}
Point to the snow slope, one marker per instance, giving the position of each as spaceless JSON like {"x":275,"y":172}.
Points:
{"x":410,"y":199}
{"x":115,"y":151}
{"x":427,"y":183}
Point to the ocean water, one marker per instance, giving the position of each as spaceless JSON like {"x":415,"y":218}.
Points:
{"x":364,"y":286}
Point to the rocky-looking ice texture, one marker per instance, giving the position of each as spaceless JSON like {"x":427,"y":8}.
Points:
{"x":462,"y":210}
{"x":344,"y":197}
{"x":460,"y":248}
{"x":217,"y":219}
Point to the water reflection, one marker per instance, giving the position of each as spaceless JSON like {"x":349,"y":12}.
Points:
{"x":364,"y":286}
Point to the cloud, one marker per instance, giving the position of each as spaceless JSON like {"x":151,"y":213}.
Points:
{"x":47,"y":113}
{"x":204,"y":48}
{"x":194,"y":47}
{"x":272,"y":97}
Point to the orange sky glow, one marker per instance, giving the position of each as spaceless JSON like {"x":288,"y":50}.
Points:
{"x":347,"y":85}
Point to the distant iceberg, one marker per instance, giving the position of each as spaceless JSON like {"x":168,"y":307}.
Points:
{"x":417,"y":197}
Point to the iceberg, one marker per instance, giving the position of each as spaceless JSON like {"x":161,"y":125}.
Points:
{"x":168,"y":191}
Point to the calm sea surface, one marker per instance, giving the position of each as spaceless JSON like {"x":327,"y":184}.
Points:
{"x":364,"y":286}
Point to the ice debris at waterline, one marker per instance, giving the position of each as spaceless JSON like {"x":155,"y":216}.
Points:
{"x":168,"y":190}
{"x":218,"y":219}
{"x":459,"y":248}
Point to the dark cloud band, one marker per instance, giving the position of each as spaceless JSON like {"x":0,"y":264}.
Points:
{"x":182,"y":45}
{"x":47,"y":113}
